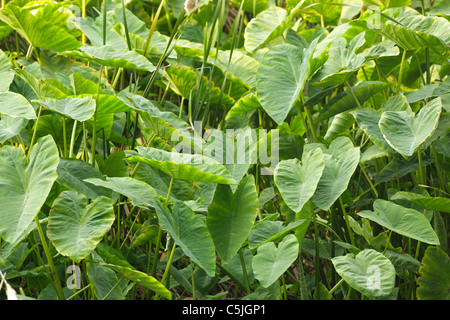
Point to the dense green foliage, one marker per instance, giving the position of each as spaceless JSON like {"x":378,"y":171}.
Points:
{"x":123,"y":127}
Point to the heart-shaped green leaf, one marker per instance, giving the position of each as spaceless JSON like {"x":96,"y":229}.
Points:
{"x":24,"y":185}
{"x":271,"y":262}
{"x":369,"y":272}
{"x":190,"y":233}
{"x":37,"y":31}
{"x":266,"y":26}
{"x":405,"y":221}
{"x":76,"y":227}
{"x":111,"y":57}
{"x":297,"y":183}
{"x":71,"y":174}
{"x":231,"y":216}
{"x":434,"y":280}
{"x":281,"y":77}
{"x":9,"y":127}
{"x":341,"y":160}
{"x":81,"y":109}
{"x":368,"y":120}
{"x":15,"y":105}
{"x":184,"y":166}
{"x":268,"y":230}
{"x":6,"y":74}
{"x":404,"y":132}
{"x":413,"y":32}
{"x":140,"y":193}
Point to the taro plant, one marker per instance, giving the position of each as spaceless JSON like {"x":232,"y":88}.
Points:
{"x":229,"y":149}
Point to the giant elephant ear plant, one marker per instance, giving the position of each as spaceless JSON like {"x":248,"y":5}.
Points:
{"x":229,"y":149}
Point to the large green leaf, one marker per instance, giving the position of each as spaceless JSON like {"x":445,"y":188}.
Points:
{"x":268,"y":230}
{"x":245,"y":104}
{"x":104,"y":281}
{"x":111,"y":57}
{"x":6,"y":74}
{"x":369,"y":272}
{"x":342,"y":61}
{"x":93,"y":29}
{"x":401,"y":167}
{"x":265,"y":27}
{"x":141,"y":278}
{"x":350,"y":98}
{"x":41,"y":89}
{"x":341,"y":160}
{"x":408,"y":222}
{"x":231,"y":216}
{"x":76,"y":227}
{"x":81,"y":109}
{"x":185,"y":82}
{"x":281,"y":77}
{"x":271,"y":262}
{"x":426,"y":202}
{"x":413,"y":32}
{"x":339,"y":125}
{"x":237,"y":63}
{"x":166,"y":124}
{"x":434,"y":280}
{"x":71,"y":174}
{"x":251,"y":5}
{"x":298,"y":182}
{"x":140,"y":193}
{"x":25,"y":185}
{"x":9,"y":127}
{"x":37,"y":31}
{"x":316,"y":11}
{"x":184,"y":166}
{"x":368,"y":120}
{"x":235,"y":149}
{"x":405,"y":132}
{"x":15,"y":105}
{"x":190,"y":233}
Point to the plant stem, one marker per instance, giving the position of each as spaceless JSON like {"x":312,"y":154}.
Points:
{"x":56,"y":280}
{"x":387,"y":242}
{"x":158,"y":239}
{"x":112,"y":289}
{"x":317,"y":252}
{"x":94,"y":125}
{"x":64,"y":137}
{"x":337,"y":285}
{"x":83,"y":15}
{"x":78,"y":292}
{"x":304,"y":295}
{"x":369,"y":181}
{"x":400,"y":76}
{"x":72,"y":138}
{"x":311,"y":124}
{"x":244,"y":271}
{"x":35,"y":128}
{"x":283,"y":281}
{"x":350,"y":233}
{"x":194,"y":296}
{"x":353,"y":95}
{"x":167,"y":270}
{"x":422,"y":176}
